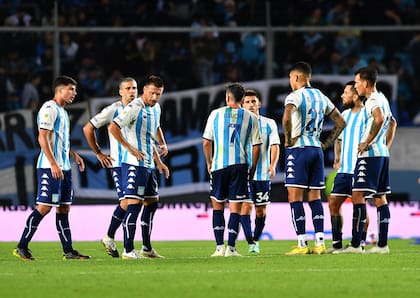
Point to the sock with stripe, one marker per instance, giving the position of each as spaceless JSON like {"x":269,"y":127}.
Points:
{"x":129,"y":225}
{"x":31,"y":226}
{"x":218,"y":226}
{"x":384,"y":217}
{"x":147,"y":224}
{"x":359,"y":220}
{"x":233,"y":228}
{"x":63,"y":228}
{"x":116,"y":221}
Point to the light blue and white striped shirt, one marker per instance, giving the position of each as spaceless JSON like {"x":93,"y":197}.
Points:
{"x":269,"y":137}
{"x":231,"y":130}
{"x":350,"y":138}
{"x":141,"y":123}
{"x":54,"y":117}
{"x":308,"y":117}
{"x":378,"y":145}
{"x":105,"y":117}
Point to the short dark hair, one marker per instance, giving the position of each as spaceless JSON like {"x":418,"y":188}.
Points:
{"x":302,"y":67}
{"x":368,"y":74}
{"x":126,"y":80}
{"x":237,"y":90}
{"x":153,"y":80}
{"x":64,"y":81}
{"x":252,"y":92}
{"x":351,"y":83}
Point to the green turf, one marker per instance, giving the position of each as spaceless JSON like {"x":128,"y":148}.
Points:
{"x":188,"y":271}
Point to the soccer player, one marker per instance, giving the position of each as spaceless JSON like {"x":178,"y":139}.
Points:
{"x":303,"y":118}
{"x":345,"y":155}
{"x":260,"y":184}
{"x":230,"y":130}
{"x":371,"y":174}
{"x":128,"y":92}
{"x":54,"y":170}
{"x":141,"y":120}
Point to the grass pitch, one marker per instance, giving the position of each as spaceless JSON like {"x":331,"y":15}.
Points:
{"x":188,"y":271}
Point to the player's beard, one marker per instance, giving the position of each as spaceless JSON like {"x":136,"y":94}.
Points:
{"x":349,"y":105}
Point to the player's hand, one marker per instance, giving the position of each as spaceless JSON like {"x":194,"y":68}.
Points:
{"x":163,"y":150}
{"x":272,"y":171}
{"x":290,"y":143}
{"x":105,"y":160}
{"x":139,"y":155}
{"x":362,"y":147}
{"x":57,"y":172}
{"x":80,"y":163}
{"x":162,"y":168}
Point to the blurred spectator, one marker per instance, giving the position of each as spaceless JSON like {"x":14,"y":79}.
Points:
{"x":226,"y":60}
{"x":177,"y":57}
{"x":30,"y":94}
{"x":204,"y":48}
{"x":6,"y":90}
{"x":252,"y":55}
{"x":18,"y":18}
{"x":112,"y":83}
{"x":68,"y":52}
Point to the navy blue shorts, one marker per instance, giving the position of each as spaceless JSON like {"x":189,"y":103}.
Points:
{"x":343,"y":185}
{"x":305,"y":168}
{"x":139,"y":182}
{"x":371,"y":175}
{"x":230,"y":184}
{"x":118,"y":182}
{"x":259,"y":192}
{"x":54,"y":192}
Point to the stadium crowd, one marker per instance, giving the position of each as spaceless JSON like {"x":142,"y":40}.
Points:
{"x":190,"y":60}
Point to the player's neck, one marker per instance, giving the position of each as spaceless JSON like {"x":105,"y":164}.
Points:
{"x":357,"y":107}
{"x":61,"y":102}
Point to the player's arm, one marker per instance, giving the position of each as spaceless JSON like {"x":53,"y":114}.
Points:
{"x":115,"y":130}
{"x":208,"y":153}
{"x":90,"y":135}
{"x":44,"y":136}
{"x":255,"y":156}
{"x":160,"y":139}
{"x":337,"y":154}
{"x":162,"y":168}
{"x":287,"y":125}
{"x":390,"y":134}
{"x":378,"y":120}
{"x":274,"y":159}
{"x":339,"y":125}
{"x":78,"y":159}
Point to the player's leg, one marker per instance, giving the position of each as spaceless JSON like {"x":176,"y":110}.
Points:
{"x":237,"y":193}
{"x":47,"y":186}
{"x":246,"y":222}
{"x":342,"y":189}
{"x":218,"y":195}
{"x":295,"y":197}
{"x":135,"y":179}
{"x":262,"y":199}
{"x":296,"y":181}
{"x":32,"y":222}
{"x":108,"y":240}
{"x":314,"y":198}
{"x":316,"y":179}
{"x":233,"y":228}
{"x":62,"y":218}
